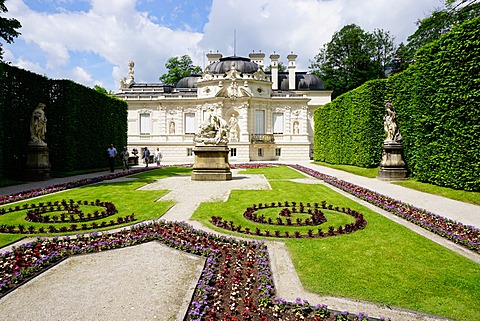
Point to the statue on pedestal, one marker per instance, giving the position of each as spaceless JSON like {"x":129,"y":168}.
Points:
{"x":392,"y":166}
{"x":38,"y":125}
{"x":213,"y":131}
{"x":37,"y":166}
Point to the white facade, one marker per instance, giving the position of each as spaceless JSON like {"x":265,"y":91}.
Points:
{"x":267,"y":123}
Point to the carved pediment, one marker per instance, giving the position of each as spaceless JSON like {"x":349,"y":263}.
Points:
{"x":260,"y":75}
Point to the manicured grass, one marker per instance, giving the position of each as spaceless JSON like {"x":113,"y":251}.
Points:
{"x":463,"y":196}
{"x":124,"y":195}
{"x":385,"y":263}
{"x":362,"y":171}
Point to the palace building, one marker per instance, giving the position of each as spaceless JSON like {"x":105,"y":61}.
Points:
{"x":270,"y":115}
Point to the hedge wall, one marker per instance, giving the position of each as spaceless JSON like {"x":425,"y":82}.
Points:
{"x":438,"y":107}
{"x":81,"y":122}
{"x":346,"y":130}
{"x":448,"y":109}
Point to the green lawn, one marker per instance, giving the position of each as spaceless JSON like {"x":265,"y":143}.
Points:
{"x":459,"y":195}
{"x":124,"y":195}
{"x":385,"y":263}
{"x":362,"y":171}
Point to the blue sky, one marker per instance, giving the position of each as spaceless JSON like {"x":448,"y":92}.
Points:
{"x":91,"y":41}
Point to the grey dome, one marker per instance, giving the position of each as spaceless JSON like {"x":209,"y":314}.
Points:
{"x":242,"y":64}
{"x":303,"y":81}
{"x":188,"y":82}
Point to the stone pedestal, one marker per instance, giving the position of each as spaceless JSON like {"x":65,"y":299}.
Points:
{"x":38,"y":166}
{"x":392,"y":166}
{"x":211,"y":163}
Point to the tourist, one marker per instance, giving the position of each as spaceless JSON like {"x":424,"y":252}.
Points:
{"x":111,"y":153}
{"x":125,"y":155}
{"x":146,"y":156}
{"x":158,"y":156}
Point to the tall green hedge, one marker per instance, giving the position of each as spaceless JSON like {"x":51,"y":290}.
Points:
{"x":438,"y":106}
{"x":346,"y":130}
{"x":81,"y":122}
{"x":448,"y":109}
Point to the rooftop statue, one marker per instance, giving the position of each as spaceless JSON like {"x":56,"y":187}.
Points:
{"x":213,"y":131}
{"x":38,"y":125}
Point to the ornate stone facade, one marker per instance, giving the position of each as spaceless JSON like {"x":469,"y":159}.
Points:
{"x":273,"y":118}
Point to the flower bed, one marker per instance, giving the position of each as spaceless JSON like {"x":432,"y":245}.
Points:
{"x":235,"y":284}
{"x":465,"y":235}
{"x":68,"y":212}
{"x":317,"y":218}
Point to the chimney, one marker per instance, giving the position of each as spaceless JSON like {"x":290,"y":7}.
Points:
{"x":213,"y":57}
{"x":257,"y":57}
{"x":291,"y":71}
{"x":274,"y":69}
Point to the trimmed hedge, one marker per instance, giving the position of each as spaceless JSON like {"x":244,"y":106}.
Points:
{"x":346,"y":130}
{"x":438,"y":107}
{"x":81,"y":122}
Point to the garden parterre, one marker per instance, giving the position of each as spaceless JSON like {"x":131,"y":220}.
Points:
{"x":233,"y":268}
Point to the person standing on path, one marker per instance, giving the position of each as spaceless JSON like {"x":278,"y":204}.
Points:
{"x":146,"y":156}
{"x":158,"y":156}
{"x":111,"y":153}
{"x":125,"y":155}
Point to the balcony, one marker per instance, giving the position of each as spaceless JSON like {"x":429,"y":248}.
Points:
{"x":262,"y":138}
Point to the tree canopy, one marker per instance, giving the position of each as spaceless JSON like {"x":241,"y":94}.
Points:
{"x":438,"y":23}
{"x":352,"y":57}
{"x":281,"y":67}
{"x":178,"y":68}
{"x":8,"y":28}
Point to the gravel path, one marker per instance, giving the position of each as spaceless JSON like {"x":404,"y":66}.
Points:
{"x":134,"y":283}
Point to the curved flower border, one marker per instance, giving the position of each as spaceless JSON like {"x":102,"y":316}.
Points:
{"x":313,"y":210}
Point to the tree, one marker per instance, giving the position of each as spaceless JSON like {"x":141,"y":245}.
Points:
{"x":8,"y":28}
{"x":178,"y":68}
{"x":439,"y":23}
{"x":102,"y":90}
{"x":281,"y":67}
{"x":383,"y":50}
{"x":352,"y":57}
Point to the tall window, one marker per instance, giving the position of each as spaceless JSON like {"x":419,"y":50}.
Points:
{"x":144,"y":124}
{"x":233,"y":152}
{"x":277,"y":123}
{"x":259,"y":122}
{"x":190,"y":123}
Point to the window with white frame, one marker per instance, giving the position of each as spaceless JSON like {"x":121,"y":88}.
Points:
{"x":278,"y":151}
{"x":189,"y":151}
{"x":277,"y":123}
{"x":233,"y":152}
{"x":190,"y":123}
{"x":260,"y":122}
{"x":144,"y":124}
{"x":260,"y":152}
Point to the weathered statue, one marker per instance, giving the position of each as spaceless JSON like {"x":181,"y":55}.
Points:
{"x":213,"y":131}
{"x":232,"y":126}
{"x":390,"y":123}
{"x":38,"y":125}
